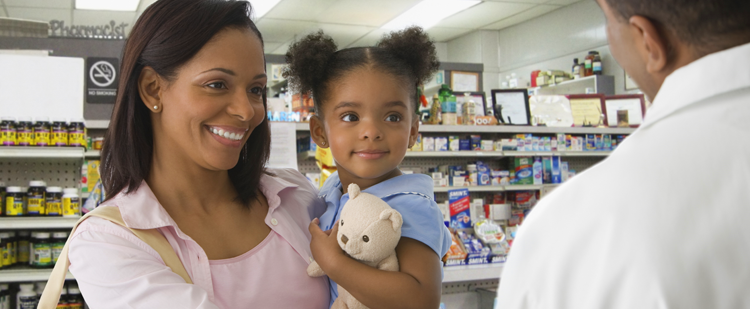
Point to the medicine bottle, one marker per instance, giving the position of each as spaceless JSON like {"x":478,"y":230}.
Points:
{"x":54,"y":201}
{"x":42,"y":132}
{"x":24,"y":131}
{"x":26,"y":297}
{"x":58,"y":242}
{"x":35,"y":200}
{"x":32,"y":239}
{"x":71,"y":203}
{"x":589,"y":63}
{"x":75,"y":300}
{"x":63,"y":302}
{"x":59,"y":132}
{"x":77,"y":133}
{"x":4,"y":296}
{"x":4,"y":251}
{"x":8,"y":131}
{"x":42,"y":251}
{"x":14,"y":202}
{"x":22,"y":250}
{"x":596,"y":65}
{"x":13,"y":249}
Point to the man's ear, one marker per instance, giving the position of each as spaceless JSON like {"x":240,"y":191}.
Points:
{"x":150,"y":85}
{"x":414,"y":131}
{"x":651,"y":44}
{"x":318,"y":132}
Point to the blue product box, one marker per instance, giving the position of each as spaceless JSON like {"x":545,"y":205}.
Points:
{"x":527,"y":142}
{"x":556,"y":170}
{"x":484,"y":174}
{"x":459,"y":205}
{"x":599,"y":142}
{"x":464,"y":144}
{"x":590,"y":142}
{"x":607,"y":142}
{"x":476,"y":142}
{"x":547,"y":169}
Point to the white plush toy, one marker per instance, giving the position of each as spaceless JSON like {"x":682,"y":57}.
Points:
{"x":369,"y":231}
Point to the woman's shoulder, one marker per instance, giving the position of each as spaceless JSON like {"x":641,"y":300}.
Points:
{"x":303,"y":197}
{"x":292,"y":176}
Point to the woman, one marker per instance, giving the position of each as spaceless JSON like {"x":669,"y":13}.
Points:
{"x":185,"y":154}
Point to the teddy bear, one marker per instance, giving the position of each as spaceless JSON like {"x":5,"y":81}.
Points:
{"x":369,"y":231}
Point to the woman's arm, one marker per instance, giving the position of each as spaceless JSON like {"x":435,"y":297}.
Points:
{"x":115,"y":269}
{"x":417,"y":284}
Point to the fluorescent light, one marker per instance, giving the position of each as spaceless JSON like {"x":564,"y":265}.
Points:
{"x":428,"y":13}
{"x":261,"y":7}
{"x":108,"y":5}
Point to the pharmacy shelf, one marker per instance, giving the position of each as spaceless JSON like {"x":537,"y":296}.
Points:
{"x":484,"y":154}
{"x":478,"y":154}
{"x":492,"y":188}
{"x":40,"y":152}
{"x":93,"y":154}
{"x":303,"y":126}
{"x":97,"y":124}
{"x":27,"y":275}
{"x":557,"y":153}
{"x":472,"y":272}
{"x":9,"y":223}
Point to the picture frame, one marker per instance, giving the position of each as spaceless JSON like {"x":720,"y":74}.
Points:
{"x":629,"y":83}
{"x":634,"y":103}
{"x":479,"y":97}
{"x":588,"y":109}
{"x":511,"y":106}
{"x":464,"y":81}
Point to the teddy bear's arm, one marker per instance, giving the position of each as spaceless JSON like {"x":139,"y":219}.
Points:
{"x":390,"y":263}
{"x":314,"y":270}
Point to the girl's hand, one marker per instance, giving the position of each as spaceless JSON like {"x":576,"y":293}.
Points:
{"x":324,"y":245}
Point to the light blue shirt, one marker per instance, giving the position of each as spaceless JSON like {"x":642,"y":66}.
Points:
{"x":411,"y":195}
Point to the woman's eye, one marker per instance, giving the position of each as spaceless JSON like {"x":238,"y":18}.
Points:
{"x":349,"y":118}
{"x":257,"y":90}
{"x":394,"y":118}
{"x":217,"y":85}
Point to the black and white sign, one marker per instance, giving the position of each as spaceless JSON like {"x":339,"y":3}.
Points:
{"x":101,"y":79}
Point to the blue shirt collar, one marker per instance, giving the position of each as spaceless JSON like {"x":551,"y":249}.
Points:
{"x":408,"y":183}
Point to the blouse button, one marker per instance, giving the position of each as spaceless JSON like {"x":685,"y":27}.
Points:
{"x":274,"y":221}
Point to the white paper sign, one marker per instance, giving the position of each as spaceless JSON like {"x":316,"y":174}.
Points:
{"x":283,"y":145}
{"x":633,"y":106}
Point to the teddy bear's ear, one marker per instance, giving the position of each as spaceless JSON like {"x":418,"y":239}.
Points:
{"x":394,"y":216}
{"x":353,"y":191}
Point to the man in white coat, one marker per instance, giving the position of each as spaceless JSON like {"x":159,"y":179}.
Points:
{"x":664,"y":222}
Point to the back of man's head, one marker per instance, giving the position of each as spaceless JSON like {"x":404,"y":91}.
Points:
{"x":706,"y":26}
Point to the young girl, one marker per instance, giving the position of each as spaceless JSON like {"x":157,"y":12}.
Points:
{"x":366,"y":113}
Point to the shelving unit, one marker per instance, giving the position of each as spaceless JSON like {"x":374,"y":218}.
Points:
{"x":464,"y":273}
{"x":601,"y":84}
{"x":41,"y":152}
{"x":25,"y":223}
{"x":92,"y":154}
{"x":305,"y":155}
{"x":27,"y":275}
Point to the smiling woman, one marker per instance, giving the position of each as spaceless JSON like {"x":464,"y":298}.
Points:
{"x":185,"y":156}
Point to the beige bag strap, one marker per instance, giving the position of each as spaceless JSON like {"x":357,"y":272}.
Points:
{"x":152,"y":237}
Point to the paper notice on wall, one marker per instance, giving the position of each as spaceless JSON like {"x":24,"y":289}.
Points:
{"x":283,"y":145}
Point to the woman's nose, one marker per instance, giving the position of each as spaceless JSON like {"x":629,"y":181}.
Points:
{"x":241,"y":106}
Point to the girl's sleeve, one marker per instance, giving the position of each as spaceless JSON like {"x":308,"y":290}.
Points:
{"x":115,"y":269}
{"x":423,"y":221}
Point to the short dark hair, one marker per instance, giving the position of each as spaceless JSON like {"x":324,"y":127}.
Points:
{"x":700,"y":23}
{"x":166,"y":36}
{"x":314,"y":62}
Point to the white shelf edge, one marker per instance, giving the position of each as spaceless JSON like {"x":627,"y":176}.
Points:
{"x":304,"y":126}
{"x":97,"y":124}
{"x":472,"y":272}
{"x":497,"y":188}
{"x":93,"y":153}
{"x":28,"y":275}
{"x":556,"y":153}
{"x":40,"y":152}
{"x":7,"y":223}
{"x":485,"y":154}
{"x":466,"y":153}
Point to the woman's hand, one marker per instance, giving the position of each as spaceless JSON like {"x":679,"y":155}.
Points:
{"x":325,"y":246}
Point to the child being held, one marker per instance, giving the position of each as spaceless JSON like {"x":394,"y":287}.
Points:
{"x":366,"y":113}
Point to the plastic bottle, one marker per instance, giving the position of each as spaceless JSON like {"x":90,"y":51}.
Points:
{"x":71,"y":203}
{"x":42,"y":251}
{"x":75,"y":300}
{"x":42,"y":132}
{"x":576,"y":69}
{"x":26,"y":297}
{"x":4,"y":296}
{"x":32,"y":240}
{"x":59,"y":132}
{"x":22,"y":250}
{"x":8,"y":131}
{"x":24,"y":132}
{"x":54,"y":201}
{"x":4,"y":251}
{"x":538,"y":173}
{"x":13,"y":249}
{"x":58,"y":242}
{"x":2,"y":198}
{"x":35,"y":200}
{"x":77,"y":133}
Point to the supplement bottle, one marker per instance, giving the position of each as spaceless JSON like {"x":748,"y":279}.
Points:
{"x":8,"y":131}
{"x":23,"y":248}
{"x":71,"y":203}
{"x":77,"y":133}
{"x":589,"y":64}
{"x":63,"y":302}
{"x":24,"y":132}
{"x":39,"y":287}
{"x":59,"y":132}
{"x":2,"y":198}
{"x":13,"y":249}
{"x":596,"y":65}
{"x":14,"y":202}
{"x":58,"y":242}
{"x":32,"y":240}
{"x":35,"y":204}
{"x":4,"y":251}
{"x":42,"y":132}
{"x":54,"y":201}
{"x":4,"y":296}
{"x":26,"y":297}
{"x":42,"y":251}
{"x":75,"y":300}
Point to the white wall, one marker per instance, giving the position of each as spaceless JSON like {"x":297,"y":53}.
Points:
{"x":478,"y":47}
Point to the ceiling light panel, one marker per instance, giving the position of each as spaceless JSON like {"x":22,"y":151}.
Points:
{"x":107,"y":5}
{"x":428,"y":13}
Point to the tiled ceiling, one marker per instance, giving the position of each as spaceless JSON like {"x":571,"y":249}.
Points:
{"x":349,"y":22}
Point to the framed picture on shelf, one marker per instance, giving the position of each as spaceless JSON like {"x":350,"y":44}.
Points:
{"x":588,"y":110}
{"x":478,"y":97}
{"x":511,"y":106}
{"x":464,"y":81}
{"x":625,"y":110}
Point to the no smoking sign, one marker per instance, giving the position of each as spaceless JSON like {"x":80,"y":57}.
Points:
{"x":101,"y":79}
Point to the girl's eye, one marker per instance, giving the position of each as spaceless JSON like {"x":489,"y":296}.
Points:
{"x":217,"y":85}
{"x":394,"y":118}
{"x":349,"y":118}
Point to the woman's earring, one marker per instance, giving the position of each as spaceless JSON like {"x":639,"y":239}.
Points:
{"x":156,"y":106}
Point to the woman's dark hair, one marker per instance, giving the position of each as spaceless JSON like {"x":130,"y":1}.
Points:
{"x":166,"y":36}
{"x":315,"y":63}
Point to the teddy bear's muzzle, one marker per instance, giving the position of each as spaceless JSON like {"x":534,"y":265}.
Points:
{"x":344,"y":239}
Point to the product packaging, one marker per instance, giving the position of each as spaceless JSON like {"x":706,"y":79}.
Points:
{"x":418,"y":144}
{"x":453,"y":143}
{"x":556,"y":170}
{"x":564,"y":171}
{"x":428,"y":143}
{"x":528,"y":142}
{"x":523,"y":169}
{"x":464,"y":144}
{"x":441,"y":143}
{"x":488,"y":145}
{"x":526,"y":199}
{"x":459,"y":208}
{"x":93,"y":174}
{"x":456,"y":254}
{"x":477,"y":253}
{"x":483,"y":174}
{"x":547,"y":170}
{"x":538,"y":172}
{"x":476,"y":142}
{"x":492,"y":236}
{"x":590,"y":142}
{"x":535,"y":144}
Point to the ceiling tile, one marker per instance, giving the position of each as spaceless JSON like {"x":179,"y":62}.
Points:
{"x":40,"y":14}
{"x":344,"y":35}
{"x":45,"y":4}
{"x":563,"y":2}
{"x":144,"y":4}
{"x":369,"y":39}
{"x":365,"y":12}
{"x":269,"y":47}
{"x":281,"y":50}
{"x":299,"y":9}
{"x":483,"y":14}
{"x":276,"y":30}
{"x":523,"y":16}
{"x":441,"y":34}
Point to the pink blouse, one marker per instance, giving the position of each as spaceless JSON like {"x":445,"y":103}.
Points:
{"x":115,"y":269}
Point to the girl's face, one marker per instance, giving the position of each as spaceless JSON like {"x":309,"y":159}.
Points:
{"x":369,"y":122}
{"x":213,"y":104}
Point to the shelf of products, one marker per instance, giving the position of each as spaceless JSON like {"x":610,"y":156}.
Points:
{"x":27,"y":275}
{"x":472,"y":272}
{"x":557,"y":153}
{"x":602,"y":84}
{"x":7,"y":223}
{"x":303,"y":126}
{"x":40,"y":152}
{"x":93,"y":154}
{"x":495,"y":188}
{"x":484,"y":154}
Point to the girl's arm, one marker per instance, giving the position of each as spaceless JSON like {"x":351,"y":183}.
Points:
{"x":417,"y":284}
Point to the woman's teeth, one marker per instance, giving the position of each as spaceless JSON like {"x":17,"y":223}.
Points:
{"x":226,"y":134}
